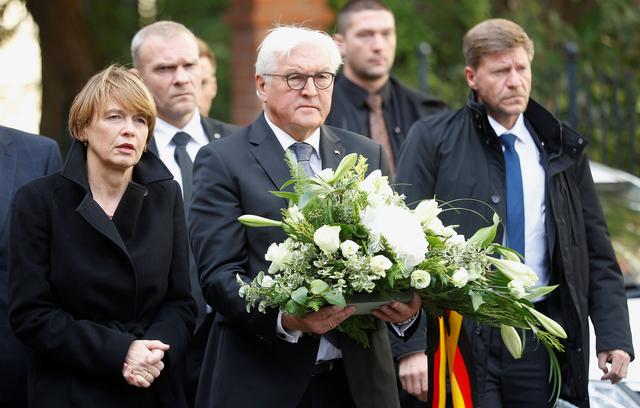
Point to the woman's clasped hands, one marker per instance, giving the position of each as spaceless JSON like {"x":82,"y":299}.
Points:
{"x":143,"y":363}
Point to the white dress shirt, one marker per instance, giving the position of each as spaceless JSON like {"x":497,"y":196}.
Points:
{"x":533,"y":184}
{"x":163,"y":134}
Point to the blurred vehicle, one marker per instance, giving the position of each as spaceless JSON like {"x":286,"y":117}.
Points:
{"x":619,"y":194}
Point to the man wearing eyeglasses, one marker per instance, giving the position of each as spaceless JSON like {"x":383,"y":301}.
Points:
{"x":275,"y":359}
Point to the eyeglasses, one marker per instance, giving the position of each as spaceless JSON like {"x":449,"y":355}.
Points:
{"x":297,"y":81}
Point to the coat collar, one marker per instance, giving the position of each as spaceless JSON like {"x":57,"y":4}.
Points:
{"x":562,"y":144}
{"x":148,"y":170}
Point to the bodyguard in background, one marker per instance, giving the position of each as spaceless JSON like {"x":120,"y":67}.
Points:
{"x":507,"y":151}
{"x":166,"y":56}
{"x":366,"y":98}
{"x":98,"y":261}
{"x":23,"y":157}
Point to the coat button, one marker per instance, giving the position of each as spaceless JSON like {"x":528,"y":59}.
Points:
{"x":495,"y":199}
{"x":217,"y":136}
{"x":478,"y":330}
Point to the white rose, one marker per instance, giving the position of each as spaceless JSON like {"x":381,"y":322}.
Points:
{"x":420,"y":279}
{"x":349,"y":248}
{"x":325,"y":174}
{"x":379,"y":264}
{"x":267,"y":281}
{"x":295,"y":214}
{"x":327,"y":238}
{"x":427,"y":210}
{"x":516,"y":287}
{"x":460,"y":278}
{"x":278,"y":255}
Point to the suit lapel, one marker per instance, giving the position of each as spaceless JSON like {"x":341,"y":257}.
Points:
{"x":331,"y":151}
{"x":8,"y":162}
{"x":268,"y":152}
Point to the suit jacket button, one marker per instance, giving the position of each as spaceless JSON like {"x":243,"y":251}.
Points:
{"x":216,"y":135}
{"x":495,"y":198}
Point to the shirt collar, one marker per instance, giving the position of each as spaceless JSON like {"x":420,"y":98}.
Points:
{"x":519,"y":130}
{"x":359,"y":95}
{"x":163,"y":132}
{"x":286,"y":140}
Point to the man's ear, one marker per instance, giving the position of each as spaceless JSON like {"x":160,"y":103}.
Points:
{"x":470,"y":74}
{"x":339,"y":40}
{"x":260,"y":87}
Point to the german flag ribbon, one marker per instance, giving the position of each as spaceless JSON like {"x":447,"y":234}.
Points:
{"x":448,"y":354}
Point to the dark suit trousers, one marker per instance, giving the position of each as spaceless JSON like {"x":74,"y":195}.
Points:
{"x":515,"y":383}
{"x":328,"y":390}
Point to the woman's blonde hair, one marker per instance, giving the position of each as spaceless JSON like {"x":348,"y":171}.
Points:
{"x":115,"y":83}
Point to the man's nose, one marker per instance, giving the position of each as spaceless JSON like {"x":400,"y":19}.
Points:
{"x":309,"y":87}
{"x":182,"y":75}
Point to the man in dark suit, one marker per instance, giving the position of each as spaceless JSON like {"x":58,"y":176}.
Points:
{"x":366,"y":98}
{"x":23,"y":157}
{"x":366,"y":37}
{"x":166,"y":56}
{"x":276,"y":359}
{"x":507,"y":151}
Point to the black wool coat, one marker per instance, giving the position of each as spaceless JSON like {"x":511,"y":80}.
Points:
{"x":83,"y":287}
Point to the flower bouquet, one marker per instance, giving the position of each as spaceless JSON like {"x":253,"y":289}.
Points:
{"x":349,"y":235}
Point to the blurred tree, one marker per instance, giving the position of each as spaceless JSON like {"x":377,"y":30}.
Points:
{"x":68,"y":59}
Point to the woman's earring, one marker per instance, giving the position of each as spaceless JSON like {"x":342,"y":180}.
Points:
{"x":85,"y":143}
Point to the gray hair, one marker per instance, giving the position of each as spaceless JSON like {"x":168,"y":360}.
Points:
{"x":162,"y":29}
{"x":281,"y":41}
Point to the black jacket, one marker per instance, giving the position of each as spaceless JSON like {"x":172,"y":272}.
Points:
{"x":457,"y":155}
{"x":401,"y":107}
{"x":83,"y":287}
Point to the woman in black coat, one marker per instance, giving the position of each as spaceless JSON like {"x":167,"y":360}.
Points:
{"x":98,"y":262}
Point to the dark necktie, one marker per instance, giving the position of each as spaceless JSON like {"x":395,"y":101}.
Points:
{"x":378,"y":127}
{"x":515,"y":195}
{"x":186,"y":165}
{"x":303,"y":153}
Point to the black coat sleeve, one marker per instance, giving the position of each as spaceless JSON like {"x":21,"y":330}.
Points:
{"x":607,"y":301}
{"x":174,"y":320}
{"x":35,"y":314}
